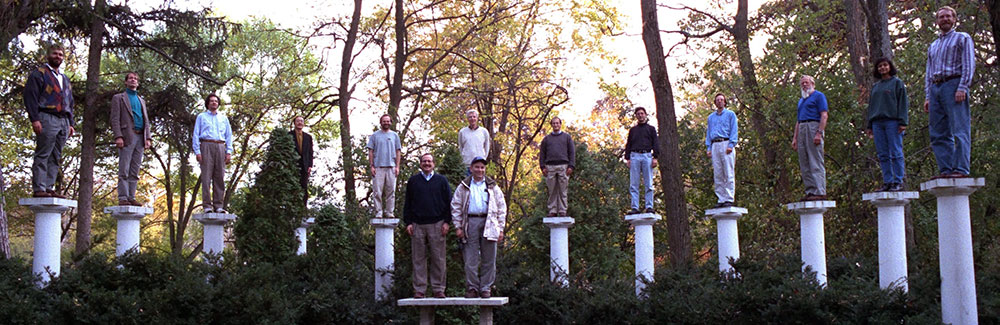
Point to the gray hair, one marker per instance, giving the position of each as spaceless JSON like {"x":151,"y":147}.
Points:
{"x":805,"y":76}
{"x":471,"y":111}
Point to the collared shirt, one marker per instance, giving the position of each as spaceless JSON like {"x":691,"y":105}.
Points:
{"x":212,"y":126}
{"x":810,"y":107}
{"x":298,"y":138}
{"x":478,"y":197}
{"x":951,"y":54}
{"x":58,"y":73}
{"x":722,"y":125}
{"x":133,"y":99}
{"x":427,"y":176}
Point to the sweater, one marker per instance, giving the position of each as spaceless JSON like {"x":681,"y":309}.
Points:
{"x":642,"y":138}
{"x":426,"y":201}
{"x":888,"y":101}
{"x":557,"y":149}
{"x":43,"y":93}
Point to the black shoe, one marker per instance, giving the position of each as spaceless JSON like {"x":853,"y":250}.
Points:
{"x":719,"y":205}
{"x":728,"y":204}
{"x":650,"y":210}
{"x":633,"y":211}
{"x":807,"y":197}
{"x":897,"y":187}
{"x":885,"y":187}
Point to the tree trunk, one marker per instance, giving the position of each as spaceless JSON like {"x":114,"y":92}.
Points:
{"x":879,"y":43}
{"x":4,"y":236}
{"x":396,"y":88}
{"x":772,"y":155}
{"x":856,"y":49}
{"x":350,"y":198}
{"x":679,"y":232}
{"x":16,"y":16}
{"x":88,"y":151}
{"x":993,"y":6}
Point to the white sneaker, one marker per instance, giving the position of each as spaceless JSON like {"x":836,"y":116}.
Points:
{"x":207,"y":210}
{"x":221,"y":211}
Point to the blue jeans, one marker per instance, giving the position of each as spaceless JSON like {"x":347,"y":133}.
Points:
{"x":950,"y":126}
{"x":642,"y":168}
{"x":889,"y":145}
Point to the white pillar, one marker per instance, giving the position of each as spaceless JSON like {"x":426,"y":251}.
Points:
{"x":729,"y":235}
{"x":559,"y":248}
{"x":384,"y":258}
{"x":644,"y":267}
{"x":128,"y":235}
{"x":813,"y":238}
{"x":301,"y":233}
{"x":891,"y":236}
{"x":48,"y":234}
{"x":958,"y":278}
{"x":214,"y":231}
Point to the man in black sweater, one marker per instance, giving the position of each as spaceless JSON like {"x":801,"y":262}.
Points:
{"x":641,"y":150}
{"x":425,"y":213}
{"x":557,"y":157}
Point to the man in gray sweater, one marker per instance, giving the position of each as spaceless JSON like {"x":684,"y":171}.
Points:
{"x":557,"y":157}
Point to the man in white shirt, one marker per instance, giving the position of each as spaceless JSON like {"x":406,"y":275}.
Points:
{"x":473,"y":140}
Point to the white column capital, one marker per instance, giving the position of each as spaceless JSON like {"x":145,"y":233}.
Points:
{"x":214,"y":218}
{"x":385,"y":222}
{"x":642,"y":219}
{"x":47,"y":204}
{"x":726,"y":213}
{"x":128,"y":212}
{"x":810,"y":207}
{"x":558,"y":222}
{"x":307,"y":222}
{"x":890,"y":198}
{"x":953,"y":186}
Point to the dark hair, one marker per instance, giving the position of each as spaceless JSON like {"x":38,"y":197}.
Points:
{"x":640,"y":108}
{"x":54,"y":46}
{"x":210,"y":96}
{"x":892,"y":68}
{"x":554,"y":119}
{"x":131,"y":73}
{"x":726,"y":99}
{"x":384,"y":115}
{"x":426,"y":154}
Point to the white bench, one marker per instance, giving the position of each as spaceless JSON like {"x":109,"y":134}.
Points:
{"x":427,"y":305}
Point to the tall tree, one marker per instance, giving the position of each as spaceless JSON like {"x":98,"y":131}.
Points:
{"x":4,"y":235}
{"x":879,"y":43}
{"x":16,"y":16}
{"x":350,"y":198}
{"x":396,"y":88}
{"x":88,"y":153}
{"x":672,"y":187}
{"x":856,"y":49}
{"x":993,"y":7}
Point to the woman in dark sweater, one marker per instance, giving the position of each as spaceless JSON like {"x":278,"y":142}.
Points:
{"x":887,"y":121}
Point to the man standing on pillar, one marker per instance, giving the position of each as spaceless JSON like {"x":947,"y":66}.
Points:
{"x":641,"y":149}
{"x":479,"y":213}
{"x":425,"y":213}
{"x":473,"y":141}
{"x":130,"y":125}
{"x":304,"y":146}
{"x":721,"y":137}
{"x":384,"y":151}
{"x":48,"y":98}
{"x":557,"y":157}
{"x":808,"y":139}
{"x":950,"y":67}
{"x":213,"y":146}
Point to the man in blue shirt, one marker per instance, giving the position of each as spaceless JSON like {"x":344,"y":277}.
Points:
{"x":721,"y":137}
{"x":808,"y":139}
{"x":950,"y":67}
{"x":213,"y":146}
{"x":130,"y":126}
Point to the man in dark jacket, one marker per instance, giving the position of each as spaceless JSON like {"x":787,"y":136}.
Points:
{"x":641,"y":150}
{"x":48,"y":98}
{"x":130,"y":127}
{"x":425,"y":213}
{"x":304,"y":146}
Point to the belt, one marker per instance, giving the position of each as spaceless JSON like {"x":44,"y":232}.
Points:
{"x":941,"y":80}
{"x":477,"y":215}
{"x":719,"y":140}
{"x":139,"y":131}
{"x":805,"y":121}
{"x":642,"y":151}
{"x":212,"y":141}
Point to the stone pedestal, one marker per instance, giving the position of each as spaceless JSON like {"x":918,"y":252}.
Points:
{"x":48,"y":231}
{"x":384,"y":259}
{"x":644,"y":266}
{"x":958,"y":278}
{"x":301,"y":233}
{"x":813,"y":238}
{"x":128,"y":235}
{"x":559,"y":248}
{"x":891,"y":236}
{"x":214,"y":231}
{"x":729,"y":235}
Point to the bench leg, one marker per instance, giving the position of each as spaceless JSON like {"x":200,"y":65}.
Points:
{"x":427,"y":315}
{"x":485,"y":315}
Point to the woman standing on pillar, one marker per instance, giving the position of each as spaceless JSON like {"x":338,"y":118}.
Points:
{"x":887,"y":121}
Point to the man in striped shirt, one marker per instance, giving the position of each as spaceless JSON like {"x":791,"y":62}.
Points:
{"x":950,"y":66}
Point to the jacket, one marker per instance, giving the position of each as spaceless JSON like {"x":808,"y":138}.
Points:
{"x":121,"y":118}
{"x":496,"y":215}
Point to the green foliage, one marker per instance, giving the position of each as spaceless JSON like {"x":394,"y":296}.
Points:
{"x":265,"y":230}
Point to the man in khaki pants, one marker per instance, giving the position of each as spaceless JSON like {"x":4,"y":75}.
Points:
{"x":384,"y":152}
{"x":130,"y":125}
{"x":426,"y":212}
{"x":557,"y":157}
{"x":213,"y":146}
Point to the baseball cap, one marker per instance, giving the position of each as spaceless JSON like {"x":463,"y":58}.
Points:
{"x":479,"y":158}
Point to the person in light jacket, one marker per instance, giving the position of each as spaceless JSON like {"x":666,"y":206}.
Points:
{"x":479,"y":214}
